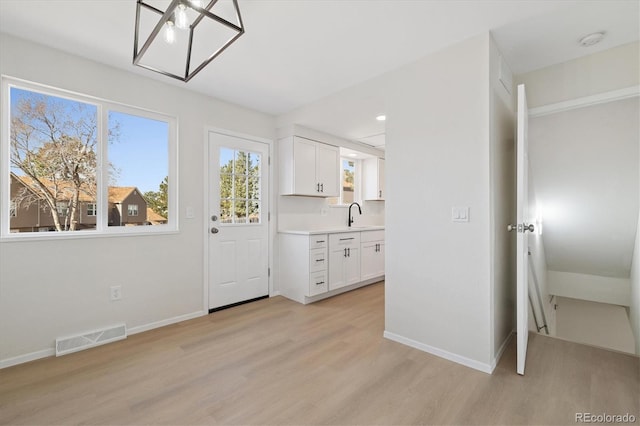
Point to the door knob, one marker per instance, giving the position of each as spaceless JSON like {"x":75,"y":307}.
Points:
{"x":214,"y":230}
{"x":521,"y":227}
{"x":214,"y":218}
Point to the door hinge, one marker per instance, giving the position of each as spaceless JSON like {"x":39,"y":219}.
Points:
{"x":269,"y":160}
{"x":269,"y":217}
{"x":268,"y":272}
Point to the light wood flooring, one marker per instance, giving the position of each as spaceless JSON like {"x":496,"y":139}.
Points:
{"x":277,"y":362}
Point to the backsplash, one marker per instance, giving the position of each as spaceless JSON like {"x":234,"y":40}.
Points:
{"x":309,"y":213}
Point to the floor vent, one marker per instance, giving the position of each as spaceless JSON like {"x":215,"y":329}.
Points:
{"x":67,"y":345}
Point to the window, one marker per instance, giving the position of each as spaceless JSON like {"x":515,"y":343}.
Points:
{"x":65,"y":151}
{"x":349,"y":182}
{"x":347,"y":178}
{"x":62,"y":208}
{"x":239,"y":186}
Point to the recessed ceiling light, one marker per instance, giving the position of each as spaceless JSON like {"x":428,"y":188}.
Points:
{"x":591,"y":39}
{"x":381,"y":117}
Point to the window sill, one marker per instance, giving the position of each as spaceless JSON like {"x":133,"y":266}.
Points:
{"x":79,"y":235}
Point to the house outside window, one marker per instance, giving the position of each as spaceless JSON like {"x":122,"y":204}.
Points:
{"x":92,"y":209}
{"x":13,"y":211}
{"x":132,"y":210}
{"x":62,"y":207}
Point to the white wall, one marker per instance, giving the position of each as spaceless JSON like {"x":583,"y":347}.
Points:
{"x":593,"y":323}
{"x":612,"y":69}
{"x":590,"y":287}
{"x":503,"y":205}
{"x":55,"y":288}
{"x":438,"y":295}
{"x":634,"y":309}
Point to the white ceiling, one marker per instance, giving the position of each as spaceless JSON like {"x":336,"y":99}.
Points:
{"x":584,"y":166}
{"x":296,"y":52}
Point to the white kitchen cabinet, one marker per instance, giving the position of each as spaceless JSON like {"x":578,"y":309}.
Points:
{"x":373,"y":179}
{"x":372,"y":254}
{"x":308,"y":167}
{"x":303,"y":265}
{"x":344,"y":259}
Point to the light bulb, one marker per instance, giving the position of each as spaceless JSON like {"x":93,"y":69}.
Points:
{"x":196,"y":3}
{"x":182,"y":21}
{"x":170,"y":33}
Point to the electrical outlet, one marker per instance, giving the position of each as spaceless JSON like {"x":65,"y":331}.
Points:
{"x":116,"y":292}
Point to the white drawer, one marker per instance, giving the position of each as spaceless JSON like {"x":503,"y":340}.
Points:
{"x":347,"y":239}
{"x":317,"y":241}
{"x":318,"y":260}
{"x":366,"y":236}
{"x":318,"y":283}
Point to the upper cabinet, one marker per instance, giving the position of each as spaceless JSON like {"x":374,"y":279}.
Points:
{"x":373,"y":179}
{"x":308,"y":168}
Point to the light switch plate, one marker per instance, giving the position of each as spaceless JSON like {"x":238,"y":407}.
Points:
{"x":460,"y":214}
{"x":190,"y":213}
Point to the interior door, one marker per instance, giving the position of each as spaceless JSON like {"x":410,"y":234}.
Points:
{"x":522,"y":228}
{"x":238,"y":220}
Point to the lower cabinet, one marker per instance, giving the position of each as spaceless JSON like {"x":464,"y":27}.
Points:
{"x":315,"y":265}
{"x":344,"y":259}
{"x":372,"y":254}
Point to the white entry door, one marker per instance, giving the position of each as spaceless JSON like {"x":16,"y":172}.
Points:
{"x":238,"y":220}
{"x":522,"y":229}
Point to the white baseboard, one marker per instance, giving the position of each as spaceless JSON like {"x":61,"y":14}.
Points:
{"x":44,"y":353}
{"x":467,"y":362}
{"x":274,"y":294}
{"x":164,"y":322}
{"x":21,"y":359}
{"x":503,"y":347}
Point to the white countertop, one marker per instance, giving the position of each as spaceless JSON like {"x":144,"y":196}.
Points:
{"x":332,"y":230}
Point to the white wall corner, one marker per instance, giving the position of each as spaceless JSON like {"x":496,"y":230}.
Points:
{"x":450,"y":356}
{"x":503,"y":347}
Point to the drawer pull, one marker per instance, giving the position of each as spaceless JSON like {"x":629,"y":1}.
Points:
{"x":319,"y":260}
{"x":319,"y":241}
{"x":320,"y":283}
{"x":346,"y":239}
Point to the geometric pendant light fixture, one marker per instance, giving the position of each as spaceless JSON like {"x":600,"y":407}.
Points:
{"x":181,"y":38}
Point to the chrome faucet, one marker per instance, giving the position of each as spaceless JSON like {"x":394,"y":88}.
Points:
{"x":351,"y":217}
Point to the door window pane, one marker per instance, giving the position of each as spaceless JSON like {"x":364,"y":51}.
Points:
{"x":239,"y":186}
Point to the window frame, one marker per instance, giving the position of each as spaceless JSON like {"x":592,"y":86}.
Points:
{"x":103,"y":107}
{"x":93,"y":209}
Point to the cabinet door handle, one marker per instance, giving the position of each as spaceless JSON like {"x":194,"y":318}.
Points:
{"x":317,"y":187}
{"x":380,"y":193}
{"x":349,"y":252}
{"x":345,"y":252}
